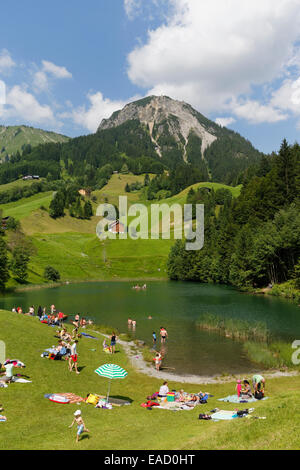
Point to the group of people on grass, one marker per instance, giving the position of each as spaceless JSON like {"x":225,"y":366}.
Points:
{"x":244,"y":389}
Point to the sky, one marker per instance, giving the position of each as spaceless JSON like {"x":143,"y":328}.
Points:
{"x":64,"y":66}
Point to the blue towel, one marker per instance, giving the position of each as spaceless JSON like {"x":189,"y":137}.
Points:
{"x":89,"y":336}
{"x":236,"y":399}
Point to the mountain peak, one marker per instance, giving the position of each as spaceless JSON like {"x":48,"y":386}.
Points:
{"x":165,"y":116}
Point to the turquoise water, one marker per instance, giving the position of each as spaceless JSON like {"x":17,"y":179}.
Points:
{"x":177,"y":307}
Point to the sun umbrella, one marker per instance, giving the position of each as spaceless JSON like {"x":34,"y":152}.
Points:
{"x":111,"y":371}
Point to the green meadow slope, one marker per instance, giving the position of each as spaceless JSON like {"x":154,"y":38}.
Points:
{"x":71,"y":245}
{"x":33,"y":422}
{"x":13,"y":138}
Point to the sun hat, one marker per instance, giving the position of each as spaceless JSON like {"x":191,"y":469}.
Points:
{"x":77,"y":413}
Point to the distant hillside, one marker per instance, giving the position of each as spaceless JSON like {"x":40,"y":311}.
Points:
{"x":14,"y":138}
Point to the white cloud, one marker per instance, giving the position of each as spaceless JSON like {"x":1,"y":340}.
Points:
{"x":287,"y":97}
{"x":212,"y":53}
{"x":55,"y":70}
{"x":132,"y":8}
{"x":225,"y":121}
{"x":41,"y":78}
{"x":6,"y":62}
{"x":100,"y":108}
{"x":256,"y":113}
{"x":23,"y":106}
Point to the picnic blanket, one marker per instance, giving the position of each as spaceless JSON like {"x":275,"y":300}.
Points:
{"x":224,"y":415}
{"x":175,"y":406}
{"x":89,"y":336}
{"x":236,"y":399}
{"x":70,"y":396}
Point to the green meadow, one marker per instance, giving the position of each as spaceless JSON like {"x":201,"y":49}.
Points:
{"x":33,"y":422}
{"x":71,"y":245}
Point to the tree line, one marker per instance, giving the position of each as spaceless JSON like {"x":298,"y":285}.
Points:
{"x":252,"y":240}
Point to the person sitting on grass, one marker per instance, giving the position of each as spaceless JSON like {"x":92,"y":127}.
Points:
{"x":164,"y":390}
{"x":8,"y":375}
{"x":106,"y":347}
{"x":80,"y":424}
{"x":246,"y":390}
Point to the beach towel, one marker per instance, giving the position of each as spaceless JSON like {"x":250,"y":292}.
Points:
{"x":72,"y":397}
{"x":174,"y":406}
{"x":236,"y":399}
{"x":224,"y":415}
{"x":89,"y":336}
{"x":20,"y":380}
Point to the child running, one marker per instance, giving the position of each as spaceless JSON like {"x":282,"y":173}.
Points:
{"x":80,"y":424}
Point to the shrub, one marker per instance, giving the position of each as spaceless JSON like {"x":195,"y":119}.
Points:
{"x":51,"y":274}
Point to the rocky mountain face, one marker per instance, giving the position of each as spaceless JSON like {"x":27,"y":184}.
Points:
{"x":164,"y":116}
{"x":180,"y":133}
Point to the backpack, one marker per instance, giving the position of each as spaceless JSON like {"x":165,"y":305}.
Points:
{"x":259,"y":395}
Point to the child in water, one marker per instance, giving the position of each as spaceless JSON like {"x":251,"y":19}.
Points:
{"x":157,"y":361}
{"x":80,"y":424}
{"x":154,"y":337}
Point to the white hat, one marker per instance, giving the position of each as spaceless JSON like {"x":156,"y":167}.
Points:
{"x":77,"y":413}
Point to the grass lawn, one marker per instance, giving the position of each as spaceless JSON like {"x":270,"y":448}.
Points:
{"x":34,"y":422}
{"x":24,"y":207}
{"x":71,"y":246}
{"x":82,"y":256}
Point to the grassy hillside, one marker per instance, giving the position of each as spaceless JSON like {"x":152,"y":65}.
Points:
{"x":71,"y":245}
{"x":13,"y":138}
{"x":33,"y":422}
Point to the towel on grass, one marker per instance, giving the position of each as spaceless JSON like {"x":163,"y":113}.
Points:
{"x":236,"y":399}
{"x":21,"y":381}
{"x":224,"y":415}
{"x":89,"y":336}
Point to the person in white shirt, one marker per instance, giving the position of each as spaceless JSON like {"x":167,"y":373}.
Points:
{"x":7,"y":378}
{"x":164,"y":390}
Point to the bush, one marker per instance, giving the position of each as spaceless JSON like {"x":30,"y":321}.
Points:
{"x":51,"y":274}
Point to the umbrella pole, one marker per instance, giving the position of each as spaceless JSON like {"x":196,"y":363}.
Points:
{"x":109,"y":383}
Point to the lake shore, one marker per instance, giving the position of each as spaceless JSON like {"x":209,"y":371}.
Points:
{"x":52,"y":285}
{"x":135,"y":356}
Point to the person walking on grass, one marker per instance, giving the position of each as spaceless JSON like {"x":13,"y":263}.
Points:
{"x":80,"y":424}
{"x":73,"y":360}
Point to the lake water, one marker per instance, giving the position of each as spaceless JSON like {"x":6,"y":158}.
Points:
{"x":177,"y":307}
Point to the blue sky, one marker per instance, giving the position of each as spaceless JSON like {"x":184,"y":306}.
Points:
{"x":67,"y":65}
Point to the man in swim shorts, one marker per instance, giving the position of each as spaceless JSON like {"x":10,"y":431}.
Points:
{"x":74,"y":358}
